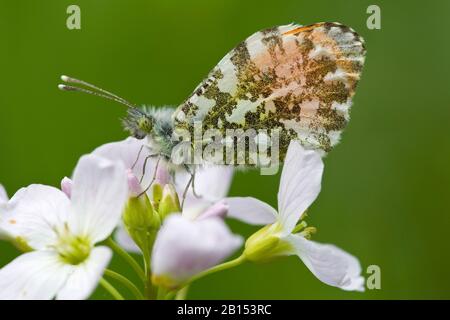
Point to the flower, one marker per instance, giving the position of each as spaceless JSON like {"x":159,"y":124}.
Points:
{"x":211,"y":182}
{"x":186,"y":247}
{"x":299,"y":187}
{"x":187,"y":243}
{"x":62,"y":233}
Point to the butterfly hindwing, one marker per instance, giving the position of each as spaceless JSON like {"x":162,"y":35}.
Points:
{"x":298,"y":79}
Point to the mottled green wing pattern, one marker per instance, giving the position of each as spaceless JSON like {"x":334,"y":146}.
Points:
{"x":300,"y":80}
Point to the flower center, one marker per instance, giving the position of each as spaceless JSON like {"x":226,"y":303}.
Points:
{"x":265,"y":244}
{"x":303,"y":230}
{"x":268,"y":243}
{"x":73,"y":249}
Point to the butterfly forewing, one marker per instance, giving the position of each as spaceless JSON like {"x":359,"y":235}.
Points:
{"x":298,"y":79}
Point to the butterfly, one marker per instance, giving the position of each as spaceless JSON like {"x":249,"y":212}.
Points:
{"x":295,"y":80}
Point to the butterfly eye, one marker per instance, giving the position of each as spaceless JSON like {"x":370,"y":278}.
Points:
{"x":145,"y":124}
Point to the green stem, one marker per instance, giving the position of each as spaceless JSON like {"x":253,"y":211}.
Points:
{"x":170,"y":295}
{"x":127,"y":257}
{"x":127,"y":283}
{"x":226,"y":265}
{"x":112,"y":291}
{"x":161,"y":293}
{"x":149,"y":289}
{"x":182,"y":294}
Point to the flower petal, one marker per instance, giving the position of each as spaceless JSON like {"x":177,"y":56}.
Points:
{"x":99,"y":194}
{"x":217,"y":210}
{"x":37,"y":275}
{"x":299,"y":185}
{"x":193,"y":207}
{"x":84,"y":277}
{"x":124,"y":240}
{"x":125,"y":151}
{"x":329,"y":263}
{"x":129,"y":152}
{"x":34,"y":214}
{"x":212,"y":183}
{"x":250,"y":210}
{"x":3,"y":195}
{"x":184,"y":248}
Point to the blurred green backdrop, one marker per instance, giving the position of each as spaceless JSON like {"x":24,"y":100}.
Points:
{"x":386,"y":187}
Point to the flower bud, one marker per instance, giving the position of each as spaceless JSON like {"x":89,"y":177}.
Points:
{"x":66,"y":186}
{"x":162,"y":178}
{"x":162,"y":175}
{"x":169,"y":202}
{"x":134,"y":184}
{"x":141,"y":221}
{"x":157,"y":192}
{"x":266,"y":244}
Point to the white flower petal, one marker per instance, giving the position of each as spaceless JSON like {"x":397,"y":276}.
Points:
{"x":3,"y":195}
{"x":127,"y":152}
{"x":299,"y":185}
{"x":329,"y":263}
{"x":34,"y":214}
{"x":99,"y":194}
{"x":194,"y":207}
{"x":212,"y":183}
{"x":250,"y":210}
{"x":37,"y":275}
{"x":124,"y":240}
{"x":84,"y":277}
{"x":184,"y":248}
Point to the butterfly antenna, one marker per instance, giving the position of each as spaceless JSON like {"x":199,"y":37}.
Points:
{"x":93,"y":90}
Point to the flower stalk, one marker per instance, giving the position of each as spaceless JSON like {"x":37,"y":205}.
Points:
{"x":110,"y":288}
{"x":127,"y":257}
{"x":126,"y":282}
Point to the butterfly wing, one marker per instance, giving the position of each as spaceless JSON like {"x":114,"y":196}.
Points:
{"x":298,"y":79}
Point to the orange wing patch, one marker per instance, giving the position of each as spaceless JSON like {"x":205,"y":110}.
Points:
{"x":302,"y":29}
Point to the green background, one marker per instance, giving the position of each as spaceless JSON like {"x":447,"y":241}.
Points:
{"x":386,"y":187}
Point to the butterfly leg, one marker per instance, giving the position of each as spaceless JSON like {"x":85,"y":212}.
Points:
{"x":154,"y":173}
{"x":137,"y":158}
{"x":193,"y":187}
{"x":144,"y":167}
{"x":186,"y":191}
{"x":192,"y":173}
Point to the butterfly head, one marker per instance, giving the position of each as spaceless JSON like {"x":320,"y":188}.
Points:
{"x":138,"y":123}
{"x":154,"y":124}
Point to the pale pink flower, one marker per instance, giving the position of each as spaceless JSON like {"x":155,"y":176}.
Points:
{"x":65,"y":262}
{"x":299,"y":186}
